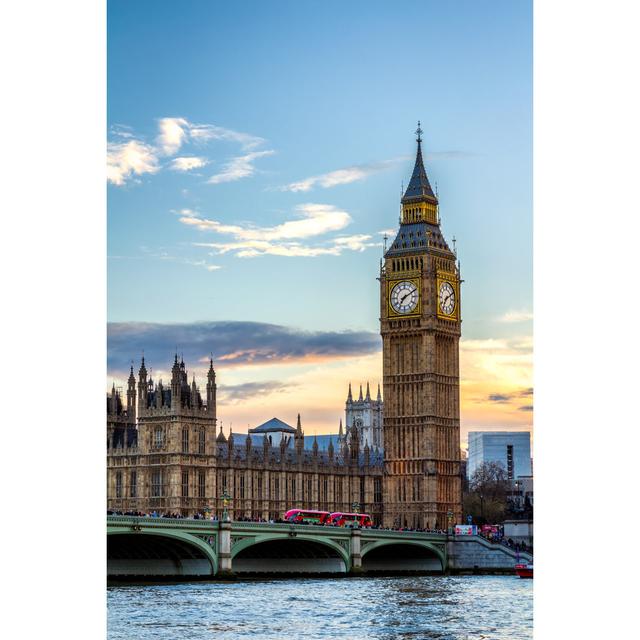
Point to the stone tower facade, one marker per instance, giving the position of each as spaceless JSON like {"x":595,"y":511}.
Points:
{"x":420,"y":327}
{"x":365,"y":414}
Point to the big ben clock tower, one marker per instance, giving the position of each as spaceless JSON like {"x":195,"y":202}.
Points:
{"x":420,"y":328}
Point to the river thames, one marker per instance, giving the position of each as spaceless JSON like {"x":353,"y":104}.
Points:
{"x":430,"y":607}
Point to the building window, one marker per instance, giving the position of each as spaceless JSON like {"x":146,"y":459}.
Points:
{"x":201,"y":440}
{"x":119,"y":484}
{"x":377,"y":490}
{"x":156,"y":484}
{"x":158,"y":438}
{"x":133,"y":484}
{"x":510,"y":461}
{"x":185,"y":440}
{"x":185,"y":484}
{"x":362,"y":493}
{"x":242,"y":486}
{"x":277,"y":489}
{"x":293,"y":489}
{"x":309,"y":491}
{"x":260,"y":488}
{"x":201,"y":484}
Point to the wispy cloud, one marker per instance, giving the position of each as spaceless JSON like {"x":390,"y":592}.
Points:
{"x":284,"y":239}
{"x":232,"y":343}
{"x":516,"y":316}
{"x":239,"y":167}
{"x":173,"y":132}
{"x":128,"y":159}
{"x":130,"y":156}
{"x":240,"y":393}
{"x":187,"y":163}
{"x":340,"y":176}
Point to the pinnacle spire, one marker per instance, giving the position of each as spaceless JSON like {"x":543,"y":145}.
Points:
{"x":379,"y":398}
{"x":419,"y":187}
{"x":360,"y":398}
{"x":340,"y":432}
{"x":368,"y":396}
{"x":349,"y":397}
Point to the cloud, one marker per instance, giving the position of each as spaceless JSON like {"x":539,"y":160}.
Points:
{"x":206,"y":132}
{"x":129,"y":156}
{"x":528,"y":407}
{"x":240,"y":393}
{"x":515,"y":316}
{"x":187,"y":163}
{"x":239,"y":167}
{"x":173,"y":132}
{"x":339,"y":176}
{"x":126,"y":159}
{"x":503,"y":398}
{"x":231,"y":343}
{"x":161,"y":254}
{"x":250,"y":241}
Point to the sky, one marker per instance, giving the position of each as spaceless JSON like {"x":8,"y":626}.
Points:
{"x":256,"y":154}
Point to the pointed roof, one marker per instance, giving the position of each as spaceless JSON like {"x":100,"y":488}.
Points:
{"x":349,"y":396}
{"x":419,"y":187}
{"x":360,"y":398}
{"x":368,"y":396}
{"x":275,"y":424}
{"x":221,"y":437}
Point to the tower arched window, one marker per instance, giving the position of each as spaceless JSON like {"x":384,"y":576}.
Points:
{"x":185,"y":440}
{"x":201,"y":441}
{"x":158,"y":438}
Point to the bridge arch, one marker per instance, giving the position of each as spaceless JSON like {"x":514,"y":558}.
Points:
{"x":158,"y":553}
{"x":289,"y":554}
{"x":403,"y":555}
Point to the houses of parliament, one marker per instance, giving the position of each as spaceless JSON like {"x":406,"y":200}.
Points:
{"x":398,"y":460}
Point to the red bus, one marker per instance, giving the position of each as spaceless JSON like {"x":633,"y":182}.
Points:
{"x":349,"y":519}
{"x":302,"y":516}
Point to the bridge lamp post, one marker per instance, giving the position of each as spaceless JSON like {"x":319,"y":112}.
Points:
{"x":226,"y":498}
{"x":450,"y":520}
{"x":356,"y":509}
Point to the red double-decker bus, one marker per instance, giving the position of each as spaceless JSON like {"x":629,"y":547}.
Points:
{"x":350,"y":519}
{"x":304,"y":516}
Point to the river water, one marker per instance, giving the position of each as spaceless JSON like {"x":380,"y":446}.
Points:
{"x":429,"y":607}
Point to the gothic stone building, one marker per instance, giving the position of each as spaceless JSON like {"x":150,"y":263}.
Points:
{"x":169,"y":459}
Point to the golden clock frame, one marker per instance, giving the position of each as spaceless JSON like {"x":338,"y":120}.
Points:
{"x":392,"y":313}
{"x":452,"y":279}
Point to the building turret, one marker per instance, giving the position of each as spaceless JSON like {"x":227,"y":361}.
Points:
{"x":142,"y":388}
{"x":176,"y":384}
{"x":349,"y":396}
{"x":340,"y":433}
{"x":211,"y":390}
{"x":354,"y":444}
{"x":221,"y":439}
{"x":360,"y":397}
{"x":379,"y":398}
{"x":315,"y":446}
{"x":367,"y":454}
{"x":230,"y":443}
{"x":159,"y":394}
{"x":131,"y":393}
{"x":247,"y":444}
{"x":298,"y":437}
{"x":368,"y":396}
{"x":330,"y":450}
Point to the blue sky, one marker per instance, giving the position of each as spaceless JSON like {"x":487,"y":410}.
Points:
{"x":271,"y":140}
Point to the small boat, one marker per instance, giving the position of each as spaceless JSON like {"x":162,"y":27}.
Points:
{"x":524,"y":570}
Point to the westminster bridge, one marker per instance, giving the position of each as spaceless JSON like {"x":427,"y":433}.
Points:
{"x":145,"y":547}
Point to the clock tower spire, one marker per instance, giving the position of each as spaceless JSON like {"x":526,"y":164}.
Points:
{"x":420,"y":327}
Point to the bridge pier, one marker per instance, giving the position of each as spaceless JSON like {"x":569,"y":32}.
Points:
{"x":224,"y":549}
{"x":356,"y":554}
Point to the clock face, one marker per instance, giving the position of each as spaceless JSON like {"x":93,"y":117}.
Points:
{"x":447,"y":297}
{"x":404,"y":297}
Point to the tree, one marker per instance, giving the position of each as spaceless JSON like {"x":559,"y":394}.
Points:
{"x":487,"y":495}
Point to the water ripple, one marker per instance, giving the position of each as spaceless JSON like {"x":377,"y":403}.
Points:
{"x":411,"y":608}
